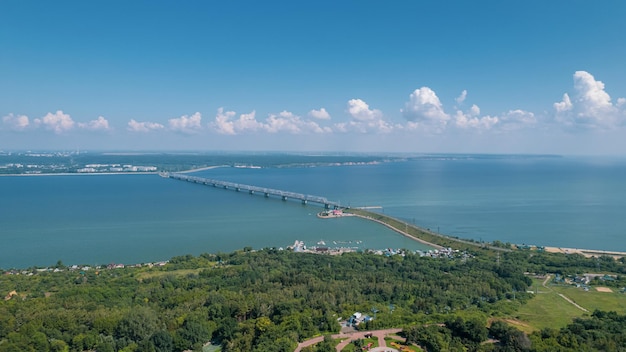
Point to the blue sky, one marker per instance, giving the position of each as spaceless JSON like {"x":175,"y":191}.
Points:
{"x":363,"y":76}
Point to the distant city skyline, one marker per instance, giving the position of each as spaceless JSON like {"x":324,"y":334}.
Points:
{"x":355,"y":76}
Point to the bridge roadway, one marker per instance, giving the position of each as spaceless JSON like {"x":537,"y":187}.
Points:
{"x":284,"y":195}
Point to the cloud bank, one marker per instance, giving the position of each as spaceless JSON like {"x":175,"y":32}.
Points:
{"x":587,"y":106}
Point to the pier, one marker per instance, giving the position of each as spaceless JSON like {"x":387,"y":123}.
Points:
{"x":267,"y":192}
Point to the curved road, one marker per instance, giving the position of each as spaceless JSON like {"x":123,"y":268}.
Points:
{"x":380,"y":334}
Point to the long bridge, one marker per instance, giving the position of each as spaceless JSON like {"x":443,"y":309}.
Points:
{"x":267,"y":192}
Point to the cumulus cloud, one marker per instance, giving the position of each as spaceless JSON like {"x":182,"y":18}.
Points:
{"x":136,"y":126}
{"x":320,"y":114}
{"x":424,"y":107}
{"x":461,"y":98}
{"x":364,"y":119}
{"x":590,"y":105}
{"x":16,"y":122}
{"x":514,"y":119}
{"x":472,"y":119}
{"x":186,"y":124}
{"x":564,"y":105}
{"x":292,"y":123}
{"x":377,"y":126}
{"x":285,"y":121}
{"x":360,"y":110}
{"x":225,"y":123}
{"x":99,"y":124}
{"x":57,"y":122}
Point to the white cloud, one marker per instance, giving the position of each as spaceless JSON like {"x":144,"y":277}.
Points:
{"x":364,"y":119}
{"x":100,"y":124}
{"x":18,"y":123}
{"x":247,"y":122}
{"x":564,"y":105}
{"x":285,"y":121}
{"x":225,"y":123}
{"x":289,"y":122}
{"x":425,"y":108}
{"x":461,"y":98}
{"x":57,"y":122}
{"x":472,"y":119}
{"x":320,"y":114}
{"x":135,"y":126}
{"x":590,"y":105}
{"x":378,"y":126}
{"x":519,"y":117}
{"x":360,"y":110}
{"x":186,"y":124}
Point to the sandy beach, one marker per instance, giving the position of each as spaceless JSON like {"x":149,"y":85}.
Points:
{"x":586,"y":252}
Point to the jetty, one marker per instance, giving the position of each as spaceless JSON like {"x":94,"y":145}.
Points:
{"x":267,"y":192}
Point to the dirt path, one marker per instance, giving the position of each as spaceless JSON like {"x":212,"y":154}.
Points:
{"x":572,"y":302}
{"x":546,"y":281}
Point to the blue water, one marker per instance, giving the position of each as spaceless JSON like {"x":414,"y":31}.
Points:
{"x":569,"y":202}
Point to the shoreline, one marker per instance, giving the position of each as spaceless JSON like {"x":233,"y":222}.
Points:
{"x":110,"y":173}
{"x":82,"y":174}
{"x":588,"y":253}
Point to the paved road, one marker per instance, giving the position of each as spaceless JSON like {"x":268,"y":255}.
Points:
{"x":380,"y":334}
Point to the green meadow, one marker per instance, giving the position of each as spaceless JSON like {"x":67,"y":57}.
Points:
{"x":547,"y":309}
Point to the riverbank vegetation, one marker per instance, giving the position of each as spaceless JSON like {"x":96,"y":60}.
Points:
{"x":269,"y":300}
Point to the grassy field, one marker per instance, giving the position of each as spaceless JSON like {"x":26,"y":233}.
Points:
{"x":350,"y":347}
{"x":398,"y":345}
{"x":549,"y":310}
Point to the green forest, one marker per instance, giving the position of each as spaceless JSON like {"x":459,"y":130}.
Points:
{"x":269,"y":300}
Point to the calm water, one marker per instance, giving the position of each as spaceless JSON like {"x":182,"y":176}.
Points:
{"x":570,"y":202}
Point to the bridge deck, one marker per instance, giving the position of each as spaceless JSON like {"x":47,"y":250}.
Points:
{"x":304,"y":198}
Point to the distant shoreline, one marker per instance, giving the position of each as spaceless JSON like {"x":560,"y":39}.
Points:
{"x":83,"y":174}
{"x":112,"y":173}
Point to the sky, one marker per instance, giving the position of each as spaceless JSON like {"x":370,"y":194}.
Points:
{"x":524,"y":77}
